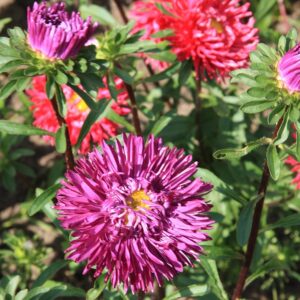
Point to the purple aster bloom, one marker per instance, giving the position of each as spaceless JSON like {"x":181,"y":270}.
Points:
{"x":289,"y":70}
{"x":55,"y":33}
{"x":135,"y":210}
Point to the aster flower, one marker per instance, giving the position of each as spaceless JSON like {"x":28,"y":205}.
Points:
{"x":288,"y":70}
{"x":77,"y":111}
{"x":217,"y":35}
{"x":135,"y":210}
{"x":56,"y":34}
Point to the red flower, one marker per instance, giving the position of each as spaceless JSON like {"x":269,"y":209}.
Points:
{"x":77,"y":111}
{"x":217,"y":35}
{"x":296,"y":169}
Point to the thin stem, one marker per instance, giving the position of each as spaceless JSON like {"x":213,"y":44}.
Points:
{"x":135,"y":115}
{"x":122,"y":11}
{"x":69,"y":157}
{"x":283,"y":14}
{"x":159,"y":292}
{"x":255,"y":225}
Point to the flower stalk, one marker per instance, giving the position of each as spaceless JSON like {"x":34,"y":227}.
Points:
{"x":69,"y":157}
{"x":255,"y":225}
{"x":135,"y":115}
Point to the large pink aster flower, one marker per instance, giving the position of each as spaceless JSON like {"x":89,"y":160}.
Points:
{"x":135,"y":210}
{"x":77,"y":111}
{"x":217,"y":35}
{"x":55,"y":33}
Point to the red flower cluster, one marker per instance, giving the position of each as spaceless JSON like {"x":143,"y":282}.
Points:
{"x":217,"y":35}
{"x":77,"y":111}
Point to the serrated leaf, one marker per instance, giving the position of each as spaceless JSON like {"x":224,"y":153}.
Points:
{"x":42,"y":199}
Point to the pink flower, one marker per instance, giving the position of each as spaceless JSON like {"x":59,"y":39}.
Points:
{"x":135,"y":211}
{"x":289,"y":68}
{"x":77,"y":111}
{"x":217,"y":35}
{"x":55,"y":33}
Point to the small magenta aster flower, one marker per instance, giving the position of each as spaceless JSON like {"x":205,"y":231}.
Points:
{"x":135,"y":211}
{"x":56,"y":34}
{"x":217,"y":35}
{"x":289,"y":68}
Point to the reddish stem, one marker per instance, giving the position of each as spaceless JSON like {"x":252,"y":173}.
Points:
{"x":134,"y":109}
{"x":255,"y":226}
{"x":69,"y":157}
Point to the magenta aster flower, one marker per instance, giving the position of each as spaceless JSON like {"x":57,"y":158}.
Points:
{"x":289,"y":68}
{"x":135,"y":210}
{"x":55,"y":33}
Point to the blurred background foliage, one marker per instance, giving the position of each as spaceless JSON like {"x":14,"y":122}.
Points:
{"x":31,"y":247}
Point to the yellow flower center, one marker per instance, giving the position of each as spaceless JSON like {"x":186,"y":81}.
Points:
{"x":217,"y":25}
{"x":136,"y":200}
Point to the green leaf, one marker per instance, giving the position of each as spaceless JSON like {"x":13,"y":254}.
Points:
{"x":237,"y":153}
{"x":11,"y":65}
{"x":49,"y":272}
{"x":264,"y":7}
{"x":21,"y":129}
{"x":124,"y":75}
{"x":244,"y":223}
{"x":165,"y":74}
{"x":160,"y":124}
{"x":96,"y":291}
{"x":12,"y":285}
{"x":166,"y":56}
{"x":21,"y":152}
{"x":103,"y":107}
{"x":194,"y":290}
{"x":276,"y":114}
{"x":91,"y":83}
{"x":185,"y":71}
{"x":84,"y":96}
{"x":286,"y":222}
{"x":273,"y":161}
{"x":36,"y":292}
{"x":163,"y":33}
{"x":113,"y":116}
{"x":298,"y":145}
{"x":60,"y":101}
{"x":50,"y":87}
{"x":22,"y":83}
{"x":253,"y":107}
{"x":211,"y":269}
{"x":8,"y":89}
{"x":40,"y":201}
{"x":98,"y":14}
{"x":21,"y":295}
{"x":4,"y":22}
{"x":283,"y":132}
{"x":60,"y":139}
{"x":60,"y":77}
{"x":219,"y":185}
